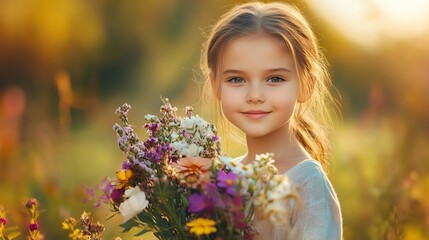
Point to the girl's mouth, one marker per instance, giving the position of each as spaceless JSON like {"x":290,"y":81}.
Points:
{"x":255,"y":114}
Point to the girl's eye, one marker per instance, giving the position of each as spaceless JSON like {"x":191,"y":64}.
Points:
{"x":236,"y":80}
{"x":275,"y":80}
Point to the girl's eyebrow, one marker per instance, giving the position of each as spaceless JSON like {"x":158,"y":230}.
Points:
{"x":279,"y":70}
{"x":236,"y":71}
{"x":232,"y":71}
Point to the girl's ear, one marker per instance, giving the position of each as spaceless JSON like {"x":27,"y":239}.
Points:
{"x":306,"y":90}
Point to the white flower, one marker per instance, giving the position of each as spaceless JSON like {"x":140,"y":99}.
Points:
{"x":197,"y":137}
{"x":266,"y":158}
{"x":134,"y":205}
{"x":187,"y":123}
{"x":185,"y":149}
{"x":274,"y":201}
{"x":174,"y":136}
{"x":197,"y":130}
{"x":275,"y":211}
{"x":172,"y":124}
{"x":194,"y":123}
{"x":280,"y":187}
{"x":236,"y":166}
{"x":264,"y":164}
{"x":179,"y":146}
{"x":150,"y":117}
{"x":193,"y":150}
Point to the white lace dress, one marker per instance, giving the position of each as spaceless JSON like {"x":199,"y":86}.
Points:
{"x":317,"y":217}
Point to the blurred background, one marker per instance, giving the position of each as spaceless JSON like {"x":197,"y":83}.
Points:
{"x":66,"y":65}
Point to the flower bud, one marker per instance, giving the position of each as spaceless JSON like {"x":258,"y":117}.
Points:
{"x":33,"y":226}
{"x":3,"y":221}
{"x":32,"y":202}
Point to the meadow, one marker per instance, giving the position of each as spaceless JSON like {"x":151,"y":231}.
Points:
{"x":65,"y":66}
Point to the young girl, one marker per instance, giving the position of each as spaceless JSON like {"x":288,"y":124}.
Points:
{"x":269,"y":79}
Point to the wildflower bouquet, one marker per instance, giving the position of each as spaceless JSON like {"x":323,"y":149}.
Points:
{"x":177,"y":185}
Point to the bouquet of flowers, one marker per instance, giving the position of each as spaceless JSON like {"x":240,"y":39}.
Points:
{"x":177,"y":184}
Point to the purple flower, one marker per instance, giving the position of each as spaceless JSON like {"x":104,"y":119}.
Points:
{"x":126,"y":165}
{"x":153,"y":156}
{"x":123,"y":142}
{"x":106,"y":187}
{"x":117,"y":195}
{"x":212,"y":192}
{"x":128,"y":130}
{"x":145,"y":167}
{"x":151,"y":142}
{"x":166,"y":147}
{"x":227,"y":181}
{"x":152,"y":128}
{"x":140,"y":155}
{"x":155,"y":151}
{"x":215,"y":138}
{"x":198,"y":203}
{"x":186,"y":134}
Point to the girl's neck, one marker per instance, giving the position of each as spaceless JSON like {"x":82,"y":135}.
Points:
{"x":282,"y":143}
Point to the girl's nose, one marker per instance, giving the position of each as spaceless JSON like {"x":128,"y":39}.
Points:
{"x":255,"y":94}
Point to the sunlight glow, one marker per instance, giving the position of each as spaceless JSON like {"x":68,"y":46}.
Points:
{"x":371,"y":22}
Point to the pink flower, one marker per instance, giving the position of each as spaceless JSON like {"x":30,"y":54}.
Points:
{"x":32,"y":202}
{"x":3,"y":221}
{"x":198,"y":203}
{"x":193,"y":171}
{"x":227,"y":181}
{"x":33,"y":226}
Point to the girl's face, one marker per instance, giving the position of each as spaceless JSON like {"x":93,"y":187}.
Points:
{"x":259,"y":86}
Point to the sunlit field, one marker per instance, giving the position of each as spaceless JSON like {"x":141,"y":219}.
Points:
{"x":67,"y":65}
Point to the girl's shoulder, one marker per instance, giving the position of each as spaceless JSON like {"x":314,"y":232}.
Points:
{"x":308,"y":167}
{"x":310,"y":172}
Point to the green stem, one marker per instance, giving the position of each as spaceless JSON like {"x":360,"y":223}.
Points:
{"x":176,"y":222}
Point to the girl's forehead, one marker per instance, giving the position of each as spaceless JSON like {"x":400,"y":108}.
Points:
{"x":257,"y":38}
{"x":256,"y":50}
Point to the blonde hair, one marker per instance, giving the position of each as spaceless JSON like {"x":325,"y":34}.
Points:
{"x":287,"y":23}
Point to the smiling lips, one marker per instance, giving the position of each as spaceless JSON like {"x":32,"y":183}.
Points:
{"x":255,"y":114}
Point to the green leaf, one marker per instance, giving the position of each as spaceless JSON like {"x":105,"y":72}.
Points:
{"x":128,"y":225}
{"x":142,"y":232}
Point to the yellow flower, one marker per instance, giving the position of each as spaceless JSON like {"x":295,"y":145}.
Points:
{"x":76,"y":234}
{"x":124,"y":177}
{"x":202,"y":226}
{"x":66,"y":226}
